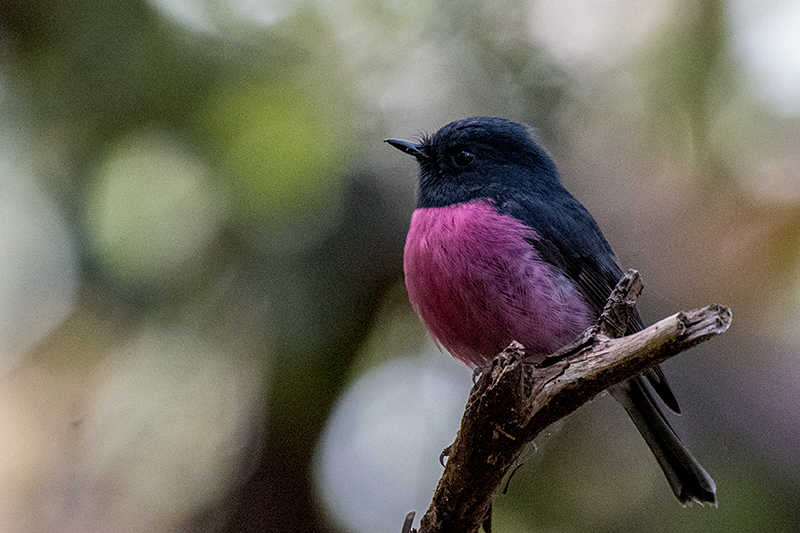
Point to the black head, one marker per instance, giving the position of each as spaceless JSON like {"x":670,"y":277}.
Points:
{"x":481,"y":157}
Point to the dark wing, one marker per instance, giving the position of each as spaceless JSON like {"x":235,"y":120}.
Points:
{"x":570,"y":239}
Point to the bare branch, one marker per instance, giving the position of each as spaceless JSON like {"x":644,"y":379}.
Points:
{"x":516,"y":400}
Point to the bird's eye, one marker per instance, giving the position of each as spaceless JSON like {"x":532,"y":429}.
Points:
{"x":463,"y":159}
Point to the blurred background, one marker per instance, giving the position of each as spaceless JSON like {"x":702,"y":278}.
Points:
{"x":203,"y":322}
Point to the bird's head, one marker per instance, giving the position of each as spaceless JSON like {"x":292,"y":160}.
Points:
{"x":480,"y":157}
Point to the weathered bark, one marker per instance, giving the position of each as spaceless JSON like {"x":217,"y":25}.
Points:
{"x":516,"y":400}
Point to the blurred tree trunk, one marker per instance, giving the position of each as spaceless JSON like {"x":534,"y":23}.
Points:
{"x":348,"y":276}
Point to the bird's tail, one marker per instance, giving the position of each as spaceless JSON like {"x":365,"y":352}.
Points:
{"x":688,"y":480}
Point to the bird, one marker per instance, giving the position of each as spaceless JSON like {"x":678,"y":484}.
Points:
{"x":499,"y":251}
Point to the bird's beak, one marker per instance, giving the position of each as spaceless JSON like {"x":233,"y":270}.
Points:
{"x":407,"y":147}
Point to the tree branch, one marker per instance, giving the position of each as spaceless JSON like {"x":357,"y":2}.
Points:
{"x":514,"y":401}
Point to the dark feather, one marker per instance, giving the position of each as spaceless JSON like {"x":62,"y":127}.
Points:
{"x":576,"y":246}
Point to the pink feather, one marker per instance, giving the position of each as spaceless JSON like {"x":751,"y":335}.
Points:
{"x":478,"y":283}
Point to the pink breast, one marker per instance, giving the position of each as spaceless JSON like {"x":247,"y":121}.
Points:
{"x":478,"y":284}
